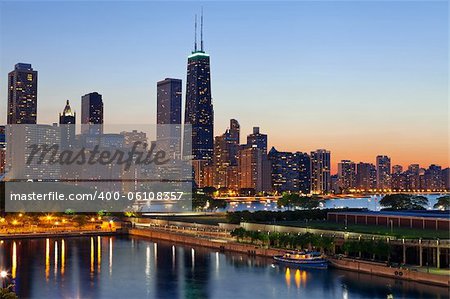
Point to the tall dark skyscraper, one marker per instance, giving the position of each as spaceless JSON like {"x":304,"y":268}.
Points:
{"x":22,"y":95}
{"x":168,"y":115}
{"x":67,"y":120}
{"x":199,"y":111}
{"x":92,"y":113}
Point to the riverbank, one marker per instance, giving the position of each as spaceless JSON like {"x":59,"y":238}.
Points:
{"x":375,"y":268}
{"x":59,"y":234}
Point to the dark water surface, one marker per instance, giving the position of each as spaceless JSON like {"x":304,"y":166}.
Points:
{"x":128,"y":267}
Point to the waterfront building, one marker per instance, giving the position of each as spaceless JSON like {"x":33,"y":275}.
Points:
{"x":320,"y":171}
{"x":2,"y":150}
{"x":168,"y":119}
{"x":412,"y":177}
{"x":383,"y":172}
{"x":92,"y":113}
{"x":22,"y":95}
{"x":346,"y":176}
{"x":366,"y":176}
{"x":19,"y":150}
{"x":290,"y":171}
{"x":446,"y":178}
{"x":199,"y":112}
{"x":433,"y":178}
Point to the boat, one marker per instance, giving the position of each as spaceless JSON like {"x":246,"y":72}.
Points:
{"x":309,"y":259}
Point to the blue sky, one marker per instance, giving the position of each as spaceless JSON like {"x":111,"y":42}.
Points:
{"x":357,"y":77}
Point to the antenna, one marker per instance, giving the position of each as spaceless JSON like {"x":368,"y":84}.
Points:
{"x":201,"y":31}
{"x":195,"y":42}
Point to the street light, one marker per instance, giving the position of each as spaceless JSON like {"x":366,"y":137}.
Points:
{"x":3,"y":274}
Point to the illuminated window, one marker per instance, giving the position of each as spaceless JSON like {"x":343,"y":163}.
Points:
{"x":30,"y":77}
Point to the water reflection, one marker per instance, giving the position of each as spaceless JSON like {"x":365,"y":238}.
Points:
{"x":144,"y":269}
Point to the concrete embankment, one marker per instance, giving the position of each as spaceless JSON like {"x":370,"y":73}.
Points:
{"x":382,"y":270}
{"x":59,"y":234}
{"x":217,"y":244}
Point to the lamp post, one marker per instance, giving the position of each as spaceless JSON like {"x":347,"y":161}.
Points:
{"x":3,"y":274}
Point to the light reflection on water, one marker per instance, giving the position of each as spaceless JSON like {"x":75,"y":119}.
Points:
{"x":139,"y":268}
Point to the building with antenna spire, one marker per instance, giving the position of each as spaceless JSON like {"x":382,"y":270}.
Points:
{"x":199,"y":113}
{"x":67,"y":121}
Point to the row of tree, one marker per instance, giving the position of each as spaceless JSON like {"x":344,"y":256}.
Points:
{"x":284,"y":240}
{"x":403,"y":201}
{"x":367,"y":248}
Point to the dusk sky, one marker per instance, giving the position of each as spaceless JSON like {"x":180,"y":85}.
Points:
{"x":358,"y":78}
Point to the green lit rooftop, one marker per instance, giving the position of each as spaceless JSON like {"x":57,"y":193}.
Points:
{"x":198,"y":54}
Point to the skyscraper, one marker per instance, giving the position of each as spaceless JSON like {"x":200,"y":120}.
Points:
{"x":257,"y":139}
{"x":2,"y":150}
{"x":168,"y":116}
{"x":366,"y":176}
{"x":290,"y":171}
{"x":226,"y":148}
{"x":346,"y":175}
{"x":320,"y":171}
{"x":67,"y":120}
{"x":383,"y":172}
{"x":254,"y":170}
{"x":22,"y":95}
{"x":199,"y":111}
{"x":92,"y":113}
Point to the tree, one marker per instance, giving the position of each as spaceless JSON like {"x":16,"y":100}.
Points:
{"x":443,"y":203}
{"x":239,"y":233}
{"x":206,"y":202}
{"x":404,"y":202}
{"x":7,"y":293}
{"x":293,"y":200}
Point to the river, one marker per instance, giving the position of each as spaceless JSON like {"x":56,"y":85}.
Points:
{"x":129,"y":267}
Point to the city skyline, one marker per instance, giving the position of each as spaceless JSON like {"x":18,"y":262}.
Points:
{"x":397,"y":144}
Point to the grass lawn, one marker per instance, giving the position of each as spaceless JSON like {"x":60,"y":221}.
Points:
{"x":406,"y":233}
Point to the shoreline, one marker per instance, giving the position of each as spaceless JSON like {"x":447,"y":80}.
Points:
{"x":67,"y":234}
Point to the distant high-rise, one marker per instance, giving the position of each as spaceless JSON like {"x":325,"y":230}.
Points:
{"x":383,"y":172}
{"x":320,"y":171}
{"x":346,"y":175}
{"x":254,"y":170}
{"x":92,"y":113}
{"x":67,"y":121}
{"x":290,"y":171}
{"x":366,"y":176}
{"x":2,"y":149}
{"x":433,"y":178}
{"x":168,"y":117}
{"x":22,"y":95}
{"x":257,"y":139}
{"x":199,"y":111}
{"x":226,"y":148}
